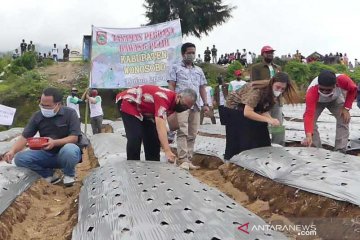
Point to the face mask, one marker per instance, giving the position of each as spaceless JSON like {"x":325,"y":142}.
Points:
{"x":48,"y":113}
{"x":189,"y":57}
{"x":326,"y":95}
{"x":180,"y":108}
{"x":277,"y":93}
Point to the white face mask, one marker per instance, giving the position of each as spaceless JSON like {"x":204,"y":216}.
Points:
{"x":326,"y":95}
{"x":48,"y":113}
{"x":189,"y":57}
{"x":277,"y":93}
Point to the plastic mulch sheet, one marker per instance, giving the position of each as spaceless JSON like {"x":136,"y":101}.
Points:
{"x":9,"y":134}
{"x":330,"y":174}
{"x":151,"y":200}
{"x":14,"y":181}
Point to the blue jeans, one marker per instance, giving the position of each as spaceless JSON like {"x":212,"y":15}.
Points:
{"x":44,"y":162}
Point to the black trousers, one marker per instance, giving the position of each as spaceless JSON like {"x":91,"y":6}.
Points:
{"x":222,"y":115}
{"x":141,"y":131}
{"x":243,"y":134}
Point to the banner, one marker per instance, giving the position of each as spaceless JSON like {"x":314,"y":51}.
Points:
{"x":123,"y":58}
{"x":6,"y":115}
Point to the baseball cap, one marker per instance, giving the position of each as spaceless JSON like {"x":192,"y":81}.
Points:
{"x":94,"y":92}
{"x":74,"y":89}
{"x":237,"y":73}
{"x":267,"y":49}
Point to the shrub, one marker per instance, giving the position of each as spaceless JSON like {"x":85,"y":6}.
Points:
{"x":235,"y":65}
{"x":3,"y":63}
{"x":16,"y":69}
{"x":355,"y":75}
{"x":298,"y":72}
{"x":46,"y":62}
{"x":317,"y":67}
{"x":28,"y":60}
{"x":211,"y":72}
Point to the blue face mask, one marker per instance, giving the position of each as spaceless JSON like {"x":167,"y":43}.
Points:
{"x":48,"y":113}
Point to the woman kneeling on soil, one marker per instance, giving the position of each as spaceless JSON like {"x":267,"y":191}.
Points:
{"x":247,"y":111}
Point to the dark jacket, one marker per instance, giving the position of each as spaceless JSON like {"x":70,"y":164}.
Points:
{"x":260,"y":71}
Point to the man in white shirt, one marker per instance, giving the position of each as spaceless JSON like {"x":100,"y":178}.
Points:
{"x":73,"y":101}
{"x":198,"y":59}
{"x":55,"y":52}
{"x":249,"y":58}
{"x":236,"y":84}
{"x":96,"y":112}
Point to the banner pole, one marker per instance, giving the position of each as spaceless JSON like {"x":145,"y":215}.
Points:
{"x":87,"y":102}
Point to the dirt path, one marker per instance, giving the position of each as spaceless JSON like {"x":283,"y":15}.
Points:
{"x":65,"y":73}
{"x":280,"y":204}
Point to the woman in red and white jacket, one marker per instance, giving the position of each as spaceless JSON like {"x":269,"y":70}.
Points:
{"x":336,"y":93}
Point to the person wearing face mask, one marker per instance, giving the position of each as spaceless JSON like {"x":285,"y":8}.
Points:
{"x":336,"y":92}
{"x":61,"y":126}
{"x":144,"y":111}
{"x":73,"y":101}
{"x":96,"y":112}
{"x":247,"y":113}
{"x":181,"y":76}
{"x":265,"y":70}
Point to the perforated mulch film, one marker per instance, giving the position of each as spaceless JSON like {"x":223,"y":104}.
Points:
{"x":9,"y":134}
{"x":14,"y":181}
{"x":151,"y":200}
{"x":331,"y":174}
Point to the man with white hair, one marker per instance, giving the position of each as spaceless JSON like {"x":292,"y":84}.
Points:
{"x":144,"y":111}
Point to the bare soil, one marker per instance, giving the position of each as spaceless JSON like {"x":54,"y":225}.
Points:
{"x":280,"y":204}
{"x":65,"y":73}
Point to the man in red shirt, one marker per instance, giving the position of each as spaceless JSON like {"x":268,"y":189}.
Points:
{"x":144,"y":110}
{"x":336,"y":93}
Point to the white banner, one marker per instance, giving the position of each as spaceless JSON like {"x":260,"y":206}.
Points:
{"x":6,"y":115}
{"x":123,"y":58}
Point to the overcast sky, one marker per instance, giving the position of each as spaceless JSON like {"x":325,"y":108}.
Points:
{"x":308,"y":25}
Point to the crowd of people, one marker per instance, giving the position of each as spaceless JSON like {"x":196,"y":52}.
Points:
{"x":246,"y":58}
{"x":149,"y":113}
{"x":329,"y":59}
{"x":52,"y":54}
{"x":211,"y":55}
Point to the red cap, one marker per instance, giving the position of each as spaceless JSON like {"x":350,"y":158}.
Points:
{"x":94,"y":93}
{"x":237,"y":73}
{"x":267,"y":49}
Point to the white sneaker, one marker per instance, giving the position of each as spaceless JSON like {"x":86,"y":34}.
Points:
{"x":68,"y":181}
{"x":54,"y":179}
{"x":193,"y":167}
{"x":185,"y":166}
{"x":188,"y":166}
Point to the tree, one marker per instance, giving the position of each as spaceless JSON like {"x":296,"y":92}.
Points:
{"x":197,"y":17}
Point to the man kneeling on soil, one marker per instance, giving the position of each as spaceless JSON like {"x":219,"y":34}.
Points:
{"x":144,"y":110}
{"x":61,"y":126}
{"x":336,"y":93}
